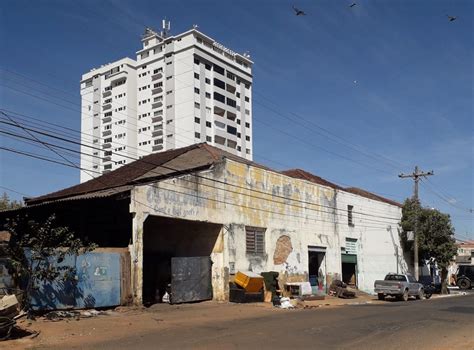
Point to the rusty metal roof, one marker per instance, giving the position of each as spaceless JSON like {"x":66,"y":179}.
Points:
{"x":154,"y":166}
{"x":172,"y":163}
{"x":302,"y":174}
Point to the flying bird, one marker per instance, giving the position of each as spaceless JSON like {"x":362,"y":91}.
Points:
{"x":451,"y":18}
{"x":299,"y":12}
{"x":353,"y":4}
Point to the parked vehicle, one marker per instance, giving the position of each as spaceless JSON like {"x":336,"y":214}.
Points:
{"x":399,"y":286}
{"x":465,"y":276}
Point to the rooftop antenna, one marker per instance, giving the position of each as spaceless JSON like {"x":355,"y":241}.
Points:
{"x":166,"y":25}
{"x":247,"y":54}
{"x":195,"y":26}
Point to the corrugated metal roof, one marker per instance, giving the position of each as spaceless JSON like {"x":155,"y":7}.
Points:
{"x":172,"y":163}
{"x":154,"y":166}
{"x":97,"y":194}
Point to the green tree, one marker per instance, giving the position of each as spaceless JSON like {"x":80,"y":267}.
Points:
{"x":435,"y":235}
{"x":6,"y":203}
{"x":36,"y":252}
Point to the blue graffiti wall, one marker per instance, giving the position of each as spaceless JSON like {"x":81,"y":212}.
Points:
{"x":97,"y":284}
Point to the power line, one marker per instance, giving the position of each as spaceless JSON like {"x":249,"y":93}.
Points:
{"x":443,"y":198}
{"x":58,"y":126}
{"x":217,"y":200}
{"x":222,"y":182}
{"x":14,"y":191}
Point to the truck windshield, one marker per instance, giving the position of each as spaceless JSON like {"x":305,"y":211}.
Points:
{"x":395,"y":278}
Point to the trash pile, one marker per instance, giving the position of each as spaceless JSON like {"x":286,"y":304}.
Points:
{"x":246,"y":288}
{"x":9,"y":313}
{"x":59,"y":315}
{"x":339,"y":289}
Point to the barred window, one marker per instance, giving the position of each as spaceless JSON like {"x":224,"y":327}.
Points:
{"x":255,"y":240}
{"x":350,"y":219}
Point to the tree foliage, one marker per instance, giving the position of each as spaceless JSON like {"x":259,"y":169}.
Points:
{"x":435,"y":234}
{"x":6,"y":203}
{"x":36,"y":252}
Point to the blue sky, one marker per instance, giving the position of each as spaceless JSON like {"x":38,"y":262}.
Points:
{"x":354,"y":95}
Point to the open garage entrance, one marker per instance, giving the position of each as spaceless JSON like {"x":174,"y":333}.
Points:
{"x":167,"y":243}
{"x":349,"y":269}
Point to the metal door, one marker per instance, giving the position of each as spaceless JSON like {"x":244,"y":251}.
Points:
{"x":191,"y":279}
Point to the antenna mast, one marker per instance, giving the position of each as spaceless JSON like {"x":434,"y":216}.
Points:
{"x":166,"y":27}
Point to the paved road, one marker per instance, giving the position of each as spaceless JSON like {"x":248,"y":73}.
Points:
{"x":443,"y":323}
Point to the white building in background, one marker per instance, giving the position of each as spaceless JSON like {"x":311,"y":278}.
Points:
{"x":180,"y":90}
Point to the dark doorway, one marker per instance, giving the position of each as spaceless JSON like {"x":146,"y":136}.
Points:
{"x":349,"y":269}
{"x":317,"y":268}
{"x":166,"y":238}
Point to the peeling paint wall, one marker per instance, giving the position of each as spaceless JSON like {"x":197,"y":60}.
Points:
{"x":244,"y":195}
{"x":376,"y":230}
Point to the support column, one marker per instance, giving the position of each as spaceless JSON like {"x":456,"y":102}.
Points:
{"x":136,"y":254}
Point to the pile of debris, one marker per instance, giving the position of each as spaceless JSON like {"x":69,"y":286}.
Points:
{"x":339,"y":289}
{"x":9,"y":313}
{"x":59,"y":315}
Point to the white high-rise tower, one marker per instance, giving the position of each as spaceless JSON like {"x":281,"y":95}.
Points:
{"x":181,"y":90}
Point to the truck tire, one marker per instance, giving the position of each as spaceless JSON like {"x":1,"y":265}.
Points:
{"x":381,"y":296}
{"x":404,"y":296}
{"x":421,"y":294}
{"x":464,"y":283}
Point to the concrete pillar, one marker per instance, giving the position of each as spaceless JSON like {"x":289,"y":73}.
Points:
{"x":136,"y":253}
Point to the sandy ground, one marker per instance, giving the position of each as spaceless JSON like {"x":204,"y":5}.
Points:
{"x":126,"y":322}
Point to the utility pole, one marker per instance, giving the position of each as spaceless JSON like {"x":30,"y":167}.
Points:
{"x":416,"y":177}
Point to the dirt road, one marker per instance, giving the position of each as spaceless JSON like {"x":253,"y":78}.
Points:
{"x":444,"y":323}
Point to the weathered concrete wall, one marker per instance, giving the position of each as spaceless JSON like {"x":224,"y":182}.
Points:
{"x":295,"y":213}
{"x":375,"y":228}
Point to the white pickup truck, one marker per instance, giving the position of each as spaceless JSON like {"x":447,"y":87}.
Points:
{"x":399,"y":286}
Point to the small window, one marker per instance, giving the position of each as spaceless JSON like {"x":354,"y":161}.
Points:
{"x":208,"y":124}
{"x":196,"y":90}
{"x":247,"y":138}
{"x":219,"y":97}
{"x":255,"y":240}
{"x":247,"y":99}
{"x":207,"y":80}
{"x":208,"y":139}
{"x":196,"y":75}
{"x":219,"y":83}
{"x":196,"y":61}
{"x":231,"y":102}
{"x":197,"y":135}
{"x":208,"y":66}
{"x":350,"y":220}
{"x":197,"y":120}
{"x":208,"y":95}
{"x":218,"y":69}
{"x":247,"y":125}
{"x":197,"y":105}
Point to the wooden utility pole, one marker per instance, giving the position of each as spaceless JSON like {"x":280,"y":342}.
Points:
{"x":416,"y":177}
